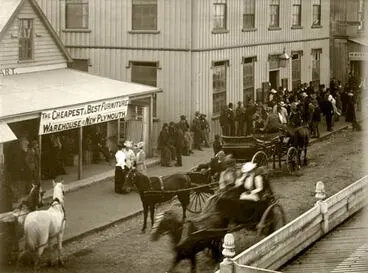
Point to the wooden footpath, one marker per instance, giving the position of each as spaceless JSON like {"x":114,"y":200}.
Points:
{"x":344,"y":250}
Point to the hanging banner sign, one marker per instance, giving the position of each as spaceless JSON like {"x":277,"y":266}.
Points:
{"x":68,"y":118}
{"x":358,"y":56}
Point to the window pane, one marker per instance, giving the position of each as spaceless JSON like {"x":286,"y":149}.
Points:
{"x":274,"y":20}
{"x":219,"y":16}
{"x":144,"y":15}
{"x":296,"y":15}
{"x":248,"y":21}
{"x":219,"y":87}
{"x":316,"y":15}
{"x":25,"y":40}
{"x":76,"y":15}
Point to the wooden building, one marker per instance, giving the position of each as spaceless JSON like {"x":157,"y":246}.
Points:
{"x":203,"y":54}
{"x":44,"y":103}
{"x":349,"y":42}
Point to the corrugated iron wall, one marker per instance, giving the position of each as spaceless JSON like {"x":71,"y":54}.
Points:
{"x":185,"y":47}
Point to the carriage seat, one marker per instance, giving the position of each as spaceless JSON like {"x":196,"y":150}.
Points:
{"x":267,"y":138}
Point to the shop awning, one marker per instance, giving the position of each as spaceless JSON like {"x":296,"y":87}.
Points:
{"x":6,"y":134}
{"x":32,"y":93}
{"x":360,"y":40}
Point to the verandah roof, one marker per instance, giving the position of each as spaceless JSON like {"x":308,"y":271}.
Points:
{"x":32,"y":93}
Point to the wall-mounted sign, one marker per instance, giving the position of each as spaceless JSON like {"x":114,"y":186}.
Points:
{"x":68,"y":118}
{"x":358,"y":56}
{"x":7,"y":71}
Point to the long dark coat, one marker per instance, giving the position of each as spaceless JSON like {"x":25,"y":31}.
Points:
{"x":350,"y":110}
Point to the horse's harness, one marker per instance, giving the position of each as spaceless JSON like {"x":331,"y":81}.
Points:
{"x":57,"y":201}
{"x":161,"y":183}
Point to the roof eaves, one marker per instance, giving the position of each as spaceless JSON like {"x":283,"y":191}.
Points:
{"x":51,"y":30}
{"x":11,"y":18}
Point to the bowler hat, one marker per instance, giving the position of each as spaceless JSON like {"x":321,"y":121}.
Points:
{"x":182,"y":117}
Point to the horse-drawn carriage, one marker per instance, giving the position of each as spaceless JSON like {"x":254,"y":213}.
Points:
{"x":262,"y":148}
{"x":224,"y":212}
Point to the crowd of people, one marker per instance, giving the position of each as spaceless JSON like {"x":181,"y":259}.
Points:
{"x":181,"y":138}
{"x":128,"y":156}
{"x":303,"y":106}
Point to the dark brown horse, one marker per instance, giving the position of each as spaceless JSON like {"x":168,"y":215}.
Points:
{"x":169,"y":223}
{"x":153,"y":190}
{"x":299,"y":138}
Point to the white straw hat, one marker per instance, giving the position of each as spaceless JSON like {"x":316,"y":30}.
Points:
{"x":128,"y":144}
{"x":247,"y":167}
{"x":140,"y":144}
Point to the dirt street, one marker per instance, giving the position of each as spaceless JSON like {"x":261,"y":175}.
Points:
{"x":336,"y":161}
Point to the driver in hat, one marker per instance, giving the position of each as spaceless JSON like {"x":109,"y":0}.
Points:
{"x":252,"y":181}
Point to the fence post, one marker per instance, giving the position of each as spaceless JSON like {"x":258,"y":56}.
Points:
{"x":321,"y":196}
{"x":226,"y":266}
{"x":320,"y":191}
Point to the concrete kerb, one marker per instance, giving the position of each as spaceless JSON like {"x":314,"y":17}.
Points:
{"x":138,"y":212}
{"x":102,"y":227}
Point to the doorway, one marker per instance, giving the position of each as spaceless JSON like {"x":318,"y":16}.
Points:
{"x":274,"y":79}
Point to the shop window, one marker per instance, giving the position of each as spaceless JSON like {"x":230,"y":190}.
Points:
{"x":249,"y":15}
{"x":25,"y":39}
{"x":219,"y":86}
{"x":274,"y":62}
{"x":145,"y":73}
{"x":316,"y":11}
{"x":79,"y":64}
{"x":274,"y":13}
{"x":219,"y":15}
{"x":297,"y":13}
{"x":361,"y":15}
{"x":296,"y":69}
{"x":144,"y":14}
{"x":248,"y":79}
{"x":76,"y":14}
{"x":316,"y":66}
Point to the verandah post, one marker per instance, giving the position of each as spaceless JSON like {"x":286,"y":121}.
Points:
{"x":80,"y":161}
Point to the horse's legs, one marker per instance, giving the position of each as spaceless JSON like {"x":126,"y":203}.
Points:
{"x":305,"y":155}
{"x":60,"y":246}
{"x":50,"y":253}
{"x":145,"y":213}
{"x":193,"y":261}
{"x":37,"y":257}
{"x":174,"y":263}
{"x":184,"y":201}
{"x":299,"y":154}
{"x":152,"y":213}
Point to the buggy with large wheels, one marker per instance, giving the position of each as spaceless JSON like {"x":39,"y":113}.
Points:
{"x":205,"y":231}
{"x":261,"y":149}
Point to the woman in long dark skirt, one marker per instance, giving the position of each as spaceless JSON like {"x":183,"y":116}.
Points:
{"x":350,"y":111}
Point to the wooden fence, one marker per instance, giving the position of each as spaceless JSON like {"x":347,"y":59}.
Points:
{"x":278,"y":248}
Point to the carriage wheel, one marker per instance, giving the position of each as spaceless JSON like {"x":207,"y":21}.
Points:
{"x":197,"y":201}
{"x":272,"y":219}
{"x":260,"y":158}
{"x":292,"y":160}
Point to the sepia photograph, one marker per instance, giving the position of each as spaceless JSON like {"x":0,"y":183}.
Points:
{"x":183,"y":136}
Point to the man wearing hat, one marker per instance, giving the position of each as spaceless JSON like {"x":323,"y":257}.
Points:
{"x":188,"y":143}
{"x":196,"y":129}
{"x":215,"y":164}
{"x":229,"y":175}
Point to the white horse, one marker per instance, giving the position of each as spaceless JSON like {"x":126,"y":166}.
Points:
{"x":41,"y":226}
{"x":26,"y":205}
